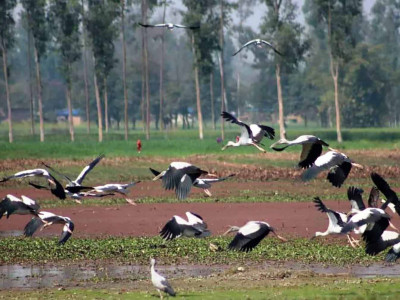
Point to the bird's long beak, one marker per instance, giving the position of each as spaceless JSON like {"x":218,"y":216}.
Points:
{"x":223,"y":148}
{"x":157,"y":177}
{"x":357,"y":166}
{"x":51,"y":181}
{"x":229,"y":230}
{"x":332,"y":149}
{"x":280,"y":237}
{"x":212,"y":175}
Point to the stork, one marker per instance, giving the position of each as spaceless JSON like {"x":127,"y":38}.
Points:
{"x":170,"y":26}
{"x":180,"y":177}
{"x":45,"y":219}
{"x":311,"y":148}
{"x":119,"y":188}
{"x":12,"y":205}
{"x":160,"y":282}
{"x":250,"y":235}
{"x":251,"y":135}
{"x":202,"y":183}
{"x":338,"y":164}
{"x":259,"y":43}
{"x":390,"y":195}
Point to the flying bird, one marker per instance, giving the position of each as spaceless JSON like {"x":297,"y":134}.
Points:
{"x":338,"y":164}
{"x":259,"y":43}
{"x":45,"y":219}
{"x":160,"y":282}
{"x":177,"y":226}
{"x":250,"y":235}
{"x":12,"y":205}
{"x":202,"y":183}
{"x":170,"y":26}
{"x":180,"y":177}
{"x":119,"y":188}
{"x":390,"y":195}
{"x":251,"y":134}
{"x":311,"y":148}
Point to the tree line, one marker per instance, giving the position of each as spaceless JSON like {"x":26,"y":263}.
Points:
{"x":339,"y":67}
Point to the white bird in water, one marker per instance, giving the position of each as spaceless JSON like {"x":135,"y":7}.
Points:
{"x":12,"y":205}
{"x":180,"y":176}
{"x":119,"y":188}
{"x":202,"y":183}
{"x":259,"y":43}
{"x":338,"y":164}
{"x":251,"y":135}
{"x":170,"y":26}
{"x":45,"y":219}
{"x":250,"y":235}
{"x":160,"y":282}
{"x":177,"y":226}
{"x":311,"y":148}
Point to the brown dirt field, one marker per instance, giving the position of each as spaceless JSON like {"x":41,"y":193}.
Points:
{"x":298,"y":219}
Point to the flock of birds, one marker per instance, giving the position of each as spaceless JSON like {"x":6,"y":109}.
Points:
{"x":370,"y":222}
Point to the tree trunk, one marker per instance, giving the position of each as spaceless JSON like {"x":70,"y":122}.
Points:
{"x":105,"y":104}
{"x":39,"y":91}
{"x":31,"y":107}
{"x":238,"y":93}
{"x":124,"y":69}
{"x":85,"y":76}
{"x":221,"y":71}
{"x":146,"y":67}
{"x":69,"y":104}
{"x":335,"y":77}
{"x":197,"y":85}
{"x":10,"y":128}
{"x":212,"y":100}
{"x":98,"y":104}
{"x":162,"y":72}
{"x":282,"y":130}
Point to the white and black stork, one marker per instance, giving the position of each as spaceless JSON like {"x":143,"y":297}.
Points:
{"x":13,"y":205}
{"x":180,"y":177}
{"x":177,"y":227}
{"x":45,"y":219}
{"x":259,"y":43}
{"x":169,"y":26}
{"x":250,"y":235}
{"x":311,"y":148}
{"x":338,"y":164}
{"x":160,"y":282}
{"x":111,"y":188}
{"x":251,"y":135}
{"x":202,"y":183}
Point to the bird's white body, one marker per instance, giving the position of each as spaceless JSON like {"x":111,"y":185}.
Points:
{"x":159,"y":281}
{"x":14,"y":205}
{"x":259,"y":43}
{"x":114,"y":187}
{"x":176,"y":227}
{"x":324,"y":162}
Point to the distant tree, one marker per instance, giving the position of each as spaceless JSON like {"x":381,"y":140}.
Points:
{"x":65,"y":19}
{"x":6,"y":42}
{"x":85,"y":68}
{"x":339,"y":18}
{"x":281,"y":29}
{"x":37,"y":22}
{"x":126,"y":118}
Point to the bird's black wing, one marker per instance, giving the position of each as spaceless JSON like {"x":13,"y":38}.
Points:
{"x":172,"y":178}
{"x":88,"y":168}
{"x":227,"y":116}
{"x":247,"y":243}
{"x":145,"y":25}
{"x":322,"y":208}
{"x":7,"y":207}
{"x":393,"y":255}
{"x":384,"y":187}
{"x":155,"y":172}
{"x":33,"y":225}
{"x":171,"y":230}
{"x":373,"y":199}
{"x":314,"y":151}
{"x":354,"y":194}
{"x":66,"y":232}
{"x":338,"y":174}
{"x":48,"y":167}
{"x":272,"y":47}
{"x":78,"y":189}
{"x":372,"y":237}
{"x":269,"y":132}
{"x":184,"y":187}
{"x":58,"y":190}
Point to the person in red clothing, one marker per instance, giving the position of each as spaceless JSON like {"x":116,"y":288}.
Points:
{"x":139,"y":146}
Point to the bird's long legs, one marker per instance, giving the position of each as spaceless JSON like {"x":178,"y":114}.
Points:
{"x":208,"y":193}
{"x":161,"y":296}
{"x":258,"y":147}
{"x":353,"y":242}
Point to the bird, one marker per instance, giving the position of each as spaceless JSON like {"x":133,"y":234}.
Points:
{"x":170,"y":26}
{"x":250,"y":235}
{"x":373,"y":198}
{"x":336,"y":222}
{"x":258,"y":43}
{"x":338,"y":164}
{"x":79,"y":179}
{"x":354,"y":195}
{"x":368,"y":216}
{"x":311,"y":148}
{"x":45,"y":219}
{"x":160,"y":282}
{"x":70,"y":191}
{"x":180,"y":177}
{"x":119,"y":188}
{"x":14,"y":205}
{"x":251,"y":134}
{"x":390,"y":195}
{"x":202,"y":183}
{"x":177,"y":227}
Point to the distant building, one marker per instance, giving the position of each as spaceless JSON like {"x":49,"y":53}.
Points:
{"x":62,"y":116}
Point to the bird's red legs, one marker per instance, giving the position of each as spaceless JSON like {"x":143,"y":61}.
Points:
{"x":353,"y":242}
{"x":394,"y":227}
{"x":130,"y":201}
{"x":258,"y":147}
{"x":208,"y":193}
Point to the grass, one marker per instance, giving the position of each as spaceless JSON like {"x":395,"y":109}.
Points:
{"x":192,"y":251}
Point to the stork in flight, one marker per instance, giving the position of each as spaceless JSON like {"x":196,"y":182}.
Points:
{"x":169,"y":26}
{"x":251,"y":134}
{"x":111,"y":188}
{"x":13,"y":205}
{"x":259,"y":43}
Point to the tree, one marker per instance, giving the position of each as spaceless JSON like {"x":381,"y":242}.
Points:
{"x":339,"y":18}
{"x":64,"y":15}
{"x":281,"y":28}
{"x":6,"y":42}
{"x":36,"y":14}
{"x":85,"y":76}
{"x":126,"y":127}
